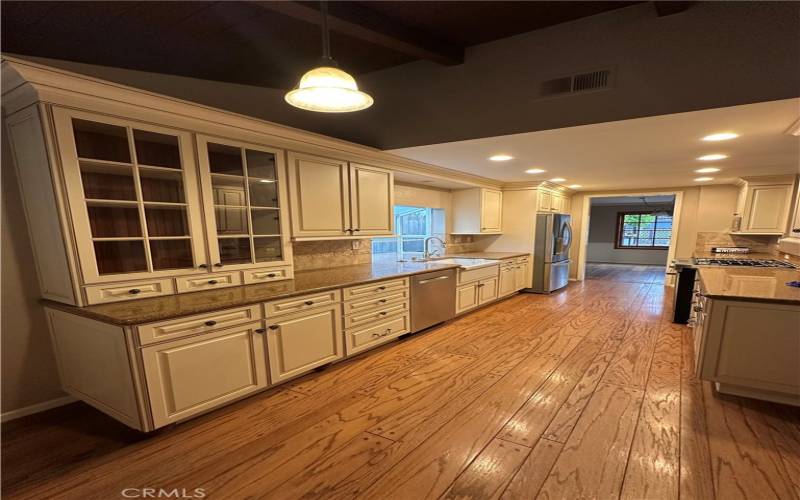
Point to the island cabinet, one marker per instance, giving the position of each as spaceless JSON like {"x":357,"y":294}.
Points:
{"x":333,"y":198}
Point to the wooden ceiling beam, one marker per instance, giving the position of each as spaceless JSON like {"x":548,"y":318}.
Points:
{"x":360,"y":22}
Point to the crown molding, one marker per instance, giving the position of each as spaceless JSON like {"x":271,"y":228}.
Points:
{"x":25,"y":82}
{"x":550,"y":186}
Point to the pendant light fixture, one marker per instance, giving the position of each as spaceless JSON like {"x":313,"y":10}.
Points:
{"x":326,"y":88}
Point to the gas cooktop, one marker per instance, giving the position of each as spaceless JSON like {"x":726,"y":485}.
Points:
{"x":745,"y":263}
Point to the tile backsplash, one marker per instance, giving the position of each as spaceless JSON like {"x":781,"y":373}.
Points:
{"x":330,"y":253}
{"x":460,"y":243}
{"x":757,"y":244}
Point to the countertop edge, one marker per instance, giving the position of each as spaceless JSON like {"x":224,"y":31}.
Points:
{"x":84,"y":312}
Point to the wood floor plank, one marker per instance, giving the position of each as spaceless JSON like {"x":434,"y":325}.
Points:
{"x":783,"y":422}
{"x":653,"y":464}
{"x":530,"y":477}
{"x":745,"y":462}
{"x":430,"y":468}
{"x":487,"y":475}
{"x":592,"y":462}
{"x":631,"y":365}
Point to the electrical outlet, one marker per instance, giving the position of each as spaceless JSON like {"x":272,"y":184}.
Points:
{"x":356,"y":244}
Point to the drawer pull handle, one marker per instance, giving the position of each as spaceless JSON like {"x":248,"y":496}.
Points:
{"x":383,"y":313}
{"x":212,"y":282}
{"x":381,"y":288}
{"x":273,"y":327}
{"x":271,"y":275}
{"x":211,"y":322}
{"x":259,"y":330}
{"x":134,"y":291}
{"x":218,"y":264}
{"x":698,"y":309}
{"x":308,"y":302}
{"x":202,"y":266}
{"x":376,"y":335}
{"x":382,"y":301}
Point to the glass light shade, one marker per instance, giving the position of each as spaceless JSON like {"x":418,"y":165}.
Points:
{"x":328,"y":90}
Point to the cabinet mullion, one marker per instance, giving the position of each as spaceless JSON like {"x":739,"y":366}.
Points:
{"x":137,"y":186}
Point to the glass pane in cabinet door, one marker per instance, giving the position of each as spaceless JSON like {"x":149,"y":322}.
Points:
{"x":166,"y":221}
{"x":231,"y":220}
{"x":260,"y":165}
{"x":263,"y":193}
{"x":100,"y":141}
{"x":234,"y":250}
{"x":265,"y":221}
{"x":268,"y":249}
{"x":116,"y":257}
{"x":109,"y":221}
{"x":171,"y":254}
{"x":107,"y":182}
{"x":225,"y":159}
{"x":158,"y":185}
{"x":159,"y":150}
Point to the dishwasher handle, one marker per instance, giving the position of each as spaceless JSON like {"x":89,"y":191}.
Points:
{"x":433,"y":279}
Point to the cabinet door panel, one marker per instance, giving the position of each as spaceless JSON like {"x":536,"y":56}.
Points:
{"x":767,"y":208}
{"x":487,"y":290}
{"x":466,"y":297}
{"x":545,"y":201}
{"x":301,"y":342}
{"x":192,"y":375}
{"x":491,"y":210}
{"x":371,"y":200}
{"x":133,"y":197}
{"x":319,"y":196}
{"x":507,"y":283}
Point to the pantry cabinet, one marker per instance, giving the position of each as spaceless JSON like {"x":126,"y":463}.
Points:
{"x":332,"y":198}
{"x":477,"y":211}
{"x":764,"y":205}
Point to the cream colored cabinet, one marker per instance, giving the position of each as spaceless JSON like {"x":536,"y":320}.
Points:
{"x":520,"y":275}
{"x":507,"y":281}
{"x":477,"y":211}
{"x":487,"y":290}
{"x":375,"y":314}
{"x":794,"y":228}
{"x":246,"y":212}
{"x":552,"y":201}
{"x":133,"y":197}
{"x":477,"y":287}
{"x":544,"y":201}
{"x":467,"y":297}
{"x":302,"y":341}
{"x":196,"y":374}
{"x":331,"y":198}
{"x":764,"y":205}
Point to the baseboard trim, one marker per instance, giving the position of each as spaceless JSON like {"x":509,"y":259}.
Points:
{"x":37,"y":408}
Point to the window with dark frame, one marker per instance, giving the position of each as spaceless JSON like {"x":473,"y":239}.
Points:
{"x":643,"y":230}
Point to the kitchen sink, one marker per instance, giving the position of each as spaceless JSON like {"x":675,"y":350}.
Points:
{"x":465,"y":263}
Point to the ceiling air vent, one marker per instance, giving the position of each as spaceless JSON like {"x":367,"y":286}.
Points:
{"x":581,"y":82}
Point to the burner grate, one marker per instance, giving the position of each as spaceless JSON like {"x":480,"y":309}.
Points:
{"x":745,"y":263}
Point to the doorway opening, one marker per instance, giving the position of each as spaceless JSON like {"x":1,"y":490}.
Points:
{"x":630,"y":237}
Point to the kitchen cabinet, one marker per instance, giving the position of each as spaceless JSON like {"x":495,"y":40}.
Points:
{"x":375,"y":313}
{"x":477,"y":287}
{"x":332,"y":198}
{"x":302,"y":341}
{"x":467,"y":297}
{"x":507,"y":281}
{"x":552,"y":201}
{"x":522,"y":273}
{"x":794,"y":228}
{"x":195,"y":374}
{"x":487,"y":290}
{"x":477,"y":211}
{"x":763,"y":205}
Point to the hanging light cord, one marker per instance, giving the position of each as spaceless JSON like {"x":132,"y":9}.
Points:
{"x":326,"y":39}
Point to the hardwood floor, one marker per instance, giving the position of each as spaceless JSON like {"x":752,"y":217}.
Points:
{"x":625,"y":273}
{"x":587,"y":393}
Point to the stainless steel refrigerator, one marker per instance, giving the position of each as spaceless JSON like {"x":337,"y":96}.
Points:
{"x":551,"y":252}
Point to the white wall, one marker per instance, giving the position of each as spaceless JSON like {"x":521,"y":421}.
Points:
{"x":603,"y":230}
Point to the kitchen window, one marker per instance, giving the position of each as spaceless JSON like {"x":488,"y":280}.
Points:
{"x":411,"y":226}
{"x":643,"y":230}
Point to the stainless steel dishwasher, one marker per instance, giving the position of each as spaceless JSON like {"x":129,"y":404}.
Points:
{"x":433,"y":298}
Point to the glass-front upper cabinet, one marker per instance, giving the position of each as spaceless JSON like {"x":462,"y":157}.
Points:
{"x":245,"y":203}
{"x":133,"y":194}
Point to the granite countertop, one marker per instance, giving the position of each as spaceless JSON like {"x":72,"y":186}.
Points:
{"x":134,"y":312}
{"x":750,"y":283}
{"x":487,"y":255}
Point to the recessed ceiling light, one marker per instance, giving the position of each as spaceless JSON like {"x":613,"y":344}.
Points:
{"x":575,"y":186}
{"x":721,"y":136}
{"x":501,"y":158}
{"x":704,"y":179}
{"x":707,"y":170}
{"x":266,"y":180}
{"x":535,"y":171}
{"x":712,"y":157}
{"x":557,"y":179}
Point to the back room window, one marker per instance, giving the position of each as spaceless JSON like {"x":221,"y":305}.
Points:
{"x":412,"y":225}
{"x":643,"y":230}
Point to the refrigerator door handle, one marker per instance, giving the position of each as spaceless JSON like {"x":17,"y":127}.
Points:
{"x":568,"y":239}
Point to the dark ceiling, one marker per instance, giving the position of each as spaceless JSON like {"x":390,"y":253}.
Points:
{"x":269,"y":43}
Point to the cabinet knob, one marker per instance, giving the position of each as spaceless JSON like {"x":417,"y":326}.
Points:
{"x":259,"y":330}
{"x":381,"y":288}
{"x":211,"y":322}
{"x":796,"y":229}
{"x":308,"y":302}
{"x":376,"y":335}
{"x":202,"y":266}
{"x":218,"y":264}
{"x":382,"y":301}
{"x":355,"y":230}
{"x":134,"y":291}
{"x":383,"y":313}
{"x":273,"y":327}
{"x":271,"y":275}
{"x":212,"y":282}
{"x":698,"y":309}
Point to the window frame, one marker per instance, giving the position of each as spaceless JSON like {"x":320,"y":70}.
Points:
{"x":621,"y":220}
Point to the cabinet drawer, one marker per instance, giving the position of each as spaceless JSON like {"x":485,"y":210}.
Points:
{"x":301,"y":303}
{"x":181,"y":327}
{"x":523,"y":259}
{"x":507,"y":263}
{"x":377,"y":334}
{"x":469,"y":275}
{"x":100,"y":294}
{"x":357,"y":292}
{"x":267,"y":274}
{"x":375,"y":303}
{"x":363,"y":318}
{"x":207,"y":281}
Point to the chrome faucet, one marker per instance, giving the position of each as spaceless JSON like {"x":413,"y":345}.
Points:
{"x":427,"y":254}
